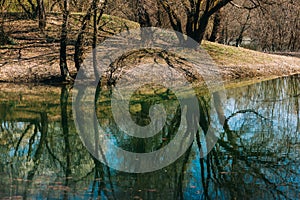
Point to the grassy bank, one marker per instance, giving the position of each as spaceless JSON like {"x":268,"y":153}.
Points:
{"x":34,"y":56}
{"x":238,"y":63}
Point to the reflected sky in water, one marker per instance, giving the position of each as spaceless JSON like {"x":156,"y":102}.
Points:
{"x":256,"y":157}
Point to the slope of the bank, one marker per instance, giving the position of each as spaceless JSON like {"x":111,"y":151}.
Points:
{"x":240,"y":63}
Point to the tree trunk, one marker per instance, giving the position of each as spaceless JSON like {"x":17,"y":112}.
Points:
{"x":93,"y":10}
{"x":144,"y":21}
{"x":78,"y":55}
{"x":63,"y":43}
{"x":197,"y":34}
{"x":197,"y":16}
{"x":216,"y":27}
{"x":42,"y":15}
{"x":95,"y":34}
{"x":239,"y":40}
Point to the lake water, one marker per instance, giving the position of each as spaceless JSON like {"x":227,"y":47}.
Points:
{"x":257,"y":155}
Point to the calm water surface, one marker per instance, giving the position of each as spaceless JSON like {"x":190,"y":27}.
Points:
{"x":257,"y":155}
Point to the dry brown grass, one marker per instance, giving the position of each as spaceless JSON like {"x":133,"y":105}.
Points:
{"x":35,"y":55}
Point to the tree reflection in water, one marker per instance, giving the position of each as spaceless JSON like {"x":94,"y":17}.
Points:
{"x":257,"y":154}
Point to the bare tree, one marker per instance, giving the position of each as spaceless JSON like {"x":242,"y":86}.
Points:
{"x":65,"y":74}
{"x":216,"y":26}
{"x":269,"y":25}
{"x":243,"y":28}
{"x":279,"y":29}
{"x":191,"y":16}
{"x":144,"y":20}
{"x":78,"y":59}
{"x":41,"y":14}
{"x":95,"y":7}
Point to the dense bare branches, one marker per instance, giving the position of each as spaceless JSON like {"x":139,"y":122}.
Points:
{"x":277,"y":29}
{"x":262,"y":25}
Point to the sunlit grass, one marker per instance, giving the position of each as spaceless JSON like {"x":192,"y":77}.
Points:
{"x":230,"y":55}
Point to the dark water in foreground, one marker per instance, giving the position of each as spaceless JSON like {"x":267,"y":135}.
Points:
{"x":257,"y":155}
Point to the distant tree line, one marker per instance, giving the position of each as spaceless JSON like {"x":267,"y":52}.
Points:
{"x":270,"y":27}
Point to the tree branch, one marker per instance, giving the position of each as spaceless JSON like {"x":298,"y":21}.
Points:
{"x":255,"y":5}
{"x":218,"y":6}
